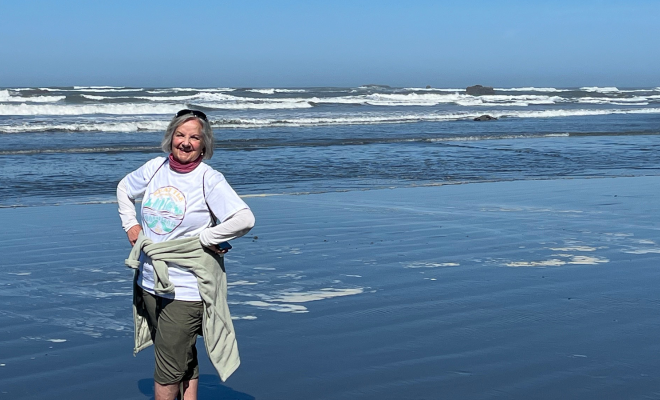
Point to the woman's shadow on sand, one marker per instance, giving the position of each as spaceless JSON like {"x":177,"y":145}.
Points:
{"x":210,"y":387}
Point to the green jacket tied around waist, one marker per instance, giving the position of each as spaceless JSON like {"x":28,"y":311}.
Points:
{"x":208,"y":267}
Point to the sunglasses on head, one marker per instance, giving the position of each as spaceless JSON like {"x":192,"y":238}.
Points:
{"x":196,"y":113}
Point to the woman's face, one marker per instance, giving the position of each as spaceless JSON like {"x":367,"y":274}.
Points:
{"x":187,"y":142}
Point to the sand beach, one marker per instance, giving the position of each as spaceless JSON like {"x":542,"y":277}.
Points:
{"x":534,"y":289}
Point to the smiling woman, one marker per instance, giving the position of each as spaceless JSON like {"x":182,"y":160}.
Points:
{"x":188,"y":136}
{"x":187,"y":142}
{"x":180,"y":278}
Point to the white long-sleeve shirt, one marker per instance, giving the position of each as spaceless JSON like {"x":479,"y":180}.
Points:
{"x":177,"y":205}
{"x":236,"y":225}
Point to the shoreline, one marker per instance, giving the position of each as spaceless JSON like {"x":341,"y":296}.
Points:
{"x":411,"y":186}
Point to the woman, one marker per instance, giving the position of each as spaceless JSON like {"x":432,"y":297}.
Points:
{"x":182,"y":197}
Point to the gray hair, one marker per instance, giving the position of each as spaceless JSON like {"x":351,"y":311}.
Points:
{"x":207,"y":135}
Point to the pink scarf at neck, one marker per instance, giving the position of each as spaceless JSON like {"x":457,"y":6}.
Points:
{"x":184,"y":168}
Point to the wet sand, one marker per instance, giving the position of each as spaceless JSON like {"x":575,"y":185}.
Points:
{"x":511,"y":290}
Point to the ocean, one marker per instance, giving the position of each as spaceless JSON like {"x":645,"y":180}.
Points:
{"x":70,"y":145}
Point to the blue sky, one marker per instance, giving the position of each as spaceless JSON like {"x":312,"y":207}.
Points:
{"x":250,"y":43}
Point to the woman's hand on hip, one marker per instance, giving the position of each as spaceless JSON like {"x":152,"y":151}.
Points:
{"x":133,"y":234}
{"x":214,"y":248}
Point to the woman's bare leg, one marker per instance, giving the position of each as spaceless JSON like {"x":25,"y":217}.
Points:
{"x":166,"y":392}
{"x":170,"y":392}
{"x":190,"y":389}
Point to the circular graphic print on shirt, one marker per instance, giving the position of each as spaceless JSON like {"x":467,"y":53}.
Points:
{"x":164,"y":210}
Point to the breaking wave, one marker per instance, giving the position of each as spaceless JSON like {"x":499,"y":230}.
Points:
{"x":6,"y":97}
{"x":160,"y":125}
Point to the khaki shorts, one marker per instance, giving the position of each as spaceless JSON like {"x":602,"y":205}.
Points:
{"x":174,"y":326}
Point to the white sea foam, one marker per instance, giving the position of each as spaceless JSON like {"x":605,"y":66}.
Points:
{"x":343,"y":120}
{"x":585,"y":260}
{"x":636,"y":90}
{"x":290,"y":90}
{"x":6,"y":97}
{"x":176,"y":90}
{"x":114,"y":109}
{"x":510,"y":100}
{"x":314,"y":295}
{"x":198,"y":96}
{"x":382,"y":99}
{"x":425,"y":99}
{"x":290,"y":308}
{"x":262,"y":91}
{"x":273,"y":91}
{"x":205,"y":96}
{"x":416,"y":265}
{"x":435,"y":90}
{"x":241,"y":283}
{"x":653,"y":250}
{"x":210,"y":90}
{"x":545,"y":263}
{"x":99,"y":87}
{"x":170,"y":98}
{"x":365,"y":119}
{"x":616,"y":103}
{"x":137,"y":126}
{"x":432,"y":99}
{"x":220,"y":99}
{"x":502,"y":209}
{"x":574,"y":248}
{"x":573,"y":113}
{"x":288,"y":301}
{"x":636,"y":101}
{"x":412,"y":99}
{"x":533,"y":89}
{"x":610,"y":89}
{"x":168,"y":109}
{"x":129,"y":98}
{"x":256,"y":105}
{"x":98,"y":98}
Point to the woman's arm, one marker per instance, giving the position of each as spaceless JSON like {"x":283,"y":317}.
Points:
{"x":127,"y":213}
{"x":134,"y":185}
{"x":236,"y":225}
{"x":237,"y":218}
